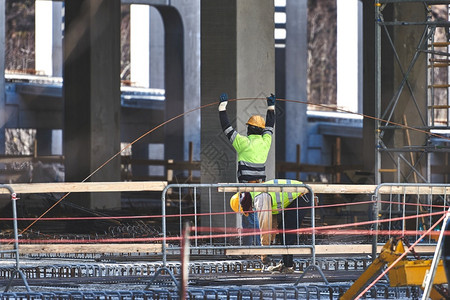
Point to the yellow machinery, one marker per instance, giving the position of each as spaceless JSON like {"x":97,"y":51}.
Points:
{"x":404,"y":273}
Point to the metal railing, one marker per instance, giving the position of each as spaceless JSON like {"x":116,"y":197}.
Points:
{"x":15,"y":249}
{"x":215,"y":226}
{"x":407,"y":210}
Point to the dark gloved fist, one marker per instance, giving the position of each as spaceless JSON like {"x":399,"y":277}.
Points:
{"x":223,"y":102}
{"x":224,"y":97}
{"x":271,"y":100}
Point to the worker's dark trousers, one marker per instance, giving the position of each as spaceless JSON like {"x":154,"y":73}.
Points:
{"x":292,"y":219}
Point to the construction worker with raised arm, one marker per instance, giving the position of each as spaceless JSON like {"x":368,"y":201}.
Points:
{"x":252,"y":151}
{"x":290,"y":206}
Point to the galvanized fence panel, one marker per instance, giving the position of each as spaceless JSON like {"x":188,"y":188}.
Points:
{"x":407,"y":210}
{"x":15,"y":251}
{"x":215,"y":227}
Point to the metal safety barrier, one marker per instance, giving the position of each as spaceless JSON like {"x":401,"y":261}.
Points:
{"x":206,"y":207}
{"x":407,"y":210}
{"x":15,"y":249}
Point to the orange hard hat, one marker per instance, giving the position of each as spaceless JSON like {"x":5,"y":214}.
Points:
{"x":256,"y":121}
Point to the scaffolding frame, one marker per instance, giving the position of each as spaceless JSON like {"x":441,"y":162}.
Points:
{"x":412,"y":160}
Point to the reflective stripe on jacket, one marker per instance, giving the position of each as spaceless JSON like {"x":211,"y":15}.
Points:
{"x":252,"y":155}
{"x":252,"y":150}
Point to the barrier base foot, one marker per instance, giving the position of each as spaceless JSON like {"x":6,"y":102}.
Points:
{"x":158,"y":272}
{"x":313,"y":267}
{"x":22,"y":276}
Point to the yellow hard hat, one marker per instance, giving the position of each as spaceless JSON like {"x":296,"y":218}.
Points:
{"x":236,"y":205}
{"x":256,"y":121}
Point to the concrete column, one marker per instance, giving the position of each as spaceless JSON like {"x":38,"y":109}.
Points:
{"x":3,"y":115}
{"x":174,"y":82}
{"x":157,"y":49}
{"x":190,"y":10}
{"x":46,"y":21}
{"x":296,"y":79}
{"x":92,"y":95}
{"x":44,"y":141}
{"x":368,"y":145}
{"x":140,"y":45}
{"x":255,"y":64}
{"x":238,"y":57}
{"x":48,"y":48}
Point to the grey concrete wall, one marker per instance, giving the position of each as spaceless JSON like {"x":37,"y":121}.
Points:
{"x":92,"y":95}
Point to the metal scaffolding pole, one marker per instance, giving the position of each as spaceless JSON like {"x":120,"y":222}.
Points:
{"x":411,"y":94}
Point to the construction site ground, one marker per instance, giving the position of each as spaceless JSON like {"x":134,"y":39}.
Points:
{"x":98,"y":278}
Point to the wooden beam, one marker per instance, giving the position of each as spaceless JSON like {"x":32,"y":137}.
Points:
{"x":335,"y":249}
{"x":342,"y":249}
{"x":344,"y":189}
{"x":78,"y":187}
{"x":126,"y":186}
{"x":85,"y":248}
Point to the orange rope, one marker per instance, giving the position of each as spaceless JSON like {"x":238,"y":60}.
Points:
{"x":215,"y":104}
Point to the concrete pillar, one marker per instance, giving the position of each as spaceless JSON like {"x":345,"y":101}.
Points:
{"x":48,"y":40}
{"x":368,"y":144}
{"x":238,"y":57}
{"x":296,"y":79}
{"x":190,"y":10}
{"x":92,"y":95}
{"x":156,"y":49}
{"x":174,"y":81}
{"x":255,"y":64}
{"x":48,"y":48}
{"x":3,"y":115}
{"x":44,"y":139}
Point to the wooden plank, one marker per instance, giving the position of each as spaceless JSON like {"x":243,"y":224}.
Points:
{"x":320,"y":250}
{"x":344,"y":189}
{"x":77,"y":187}
{"x":327,"y":250}
{"x":85,"y":248}
{"x":124,"y":186}
{"x":317,"y":188}
{"x":267,"y":251}
{"x":387,"y":170}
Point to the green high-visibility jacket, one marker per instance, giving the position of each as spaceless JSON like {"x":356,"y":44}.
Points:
{"x":280,"y":200}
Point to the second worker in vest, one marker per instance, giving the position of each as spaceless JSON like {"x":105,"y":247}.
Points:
{"x":252,"y":151}
{"x":289,"y":207}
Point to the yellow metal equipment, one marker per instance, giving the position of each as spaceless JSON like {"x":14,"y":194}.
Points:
{"x":404,"y":273}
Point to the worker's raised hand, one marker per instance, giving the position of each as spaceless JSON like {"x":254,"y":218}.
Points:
{"x":224,"y":97}
{"x":271,"y":101}
{"x":223,"y":102}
